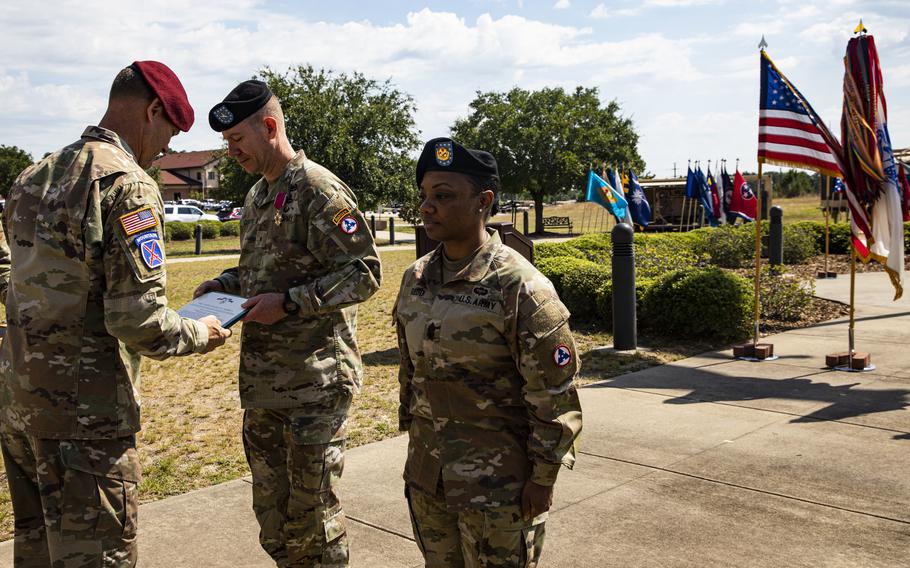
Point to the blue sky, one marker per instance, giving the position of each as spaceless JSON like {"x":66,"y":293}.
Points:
{"x":685,"y":71}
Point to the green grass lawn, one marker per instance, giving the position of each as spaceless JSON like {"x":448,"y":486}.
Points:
{"x":191,"y":409}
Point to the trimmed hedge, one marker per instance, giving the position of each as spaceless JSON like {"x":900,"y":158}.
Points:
{"x":230,"y":229}
{"x":839,"y":236}
{"x":579,"y":287}
{"x":177,"y":231}
{"x":555,"y":268}
{"x":604,"y":299}
{"x":699,"y":304}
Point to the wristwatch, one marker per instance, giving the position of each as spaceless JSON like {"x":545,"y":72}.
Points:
{"x":290,"y":306}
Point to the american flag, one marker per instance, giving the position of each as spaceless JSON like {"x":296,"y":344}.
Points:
{"x":138,"y":220}
{"x":789,"y":131}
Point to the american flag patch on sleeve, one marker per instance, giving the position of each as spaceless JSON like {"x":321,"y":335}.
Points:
{"x":138,"y":221}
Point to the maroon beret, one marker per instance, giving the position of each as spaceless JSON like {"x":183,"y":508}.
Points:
{"x":169,"y":90}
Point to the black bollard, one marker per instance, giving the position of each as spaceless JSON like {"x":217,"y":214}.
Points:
{"x":198,"y":234}
{"x":625,"y":326}
{"x":776,"y":239}
{"x":524,"y":218}
{"x":373,"y":225}
{"x":391,"y":230}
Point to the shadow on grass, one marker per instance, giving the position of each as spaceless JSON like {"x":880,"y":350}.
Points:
{"x":385,"y":357}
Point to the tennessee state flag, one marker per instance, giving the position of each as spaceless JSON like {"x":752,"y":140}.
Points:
{"x":742,"y":202}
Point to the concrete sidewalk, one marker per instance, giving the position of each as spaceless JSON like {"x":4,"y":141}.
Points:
{"x":705,"y":462}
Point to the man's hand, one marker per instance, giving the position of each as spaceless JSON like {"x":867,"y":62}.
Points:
{"x":208,"y":286}
{"x":217,"y":334}
{"x":265,"y":309}
{"x":535,"y":499}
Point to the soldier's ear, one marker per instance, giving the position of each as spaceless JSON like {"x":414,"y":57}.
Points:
{"x":271,"y":126}
{"x":154,"y":109}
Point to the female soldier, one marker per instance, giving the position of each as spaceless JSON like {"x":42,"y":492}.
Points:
{"x":487,"y":369}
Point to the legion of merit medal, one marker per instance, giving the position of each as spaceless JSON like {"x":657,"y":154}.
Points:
{"x":279,"y":204}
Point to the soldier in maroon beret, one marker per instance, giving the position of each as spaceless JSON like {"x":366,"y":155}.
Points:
{"x":85,"y":298}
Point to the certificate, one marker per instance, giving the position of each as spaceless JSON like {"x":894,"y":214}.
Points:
{"x":225,"y":307}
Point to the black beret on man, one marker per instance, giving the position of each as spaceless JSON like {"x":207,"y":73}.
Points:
{"x":447,"y":155}
{"x":239,"y":104}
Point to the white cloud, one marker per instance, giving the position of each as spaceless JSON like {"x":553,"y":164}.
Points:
{"x":599,"y":12}
{"x":562,"y":5}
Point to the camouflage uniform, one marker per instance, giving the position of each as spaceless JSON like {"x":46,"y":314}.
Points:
{"x":488,"y":400}
{"x":83,"y":301}
{"x":301,"y":233}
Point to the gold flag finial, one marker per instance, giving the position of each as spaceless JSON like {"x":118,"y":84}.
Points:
{"x":860,"y":28}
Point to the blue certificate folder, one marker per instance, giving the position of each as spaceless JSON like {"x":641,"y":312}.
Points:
{"x":225,"y":307}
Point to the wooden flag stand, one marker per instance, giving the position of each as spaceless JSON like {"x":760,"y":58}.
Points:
{"x":756,"y":351}
{"x":826,"y":273}
{"x":850,"y":360}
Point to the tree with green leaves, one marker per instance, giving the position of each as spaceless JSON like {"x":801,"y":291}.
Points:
{"x":544,"y":141}
{"x":361,"y":129}
{"x":12,"y":161}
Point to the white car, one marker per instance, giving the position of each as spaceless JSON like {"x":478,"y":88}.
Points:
{"x":186,"y":214}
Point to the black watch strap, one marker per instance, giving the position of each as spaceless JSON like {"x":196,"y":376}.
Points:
{"x":290,"y":306}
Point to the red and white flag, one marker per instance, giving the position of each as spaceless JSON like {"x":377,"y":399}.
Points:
{"x":742,"y":201}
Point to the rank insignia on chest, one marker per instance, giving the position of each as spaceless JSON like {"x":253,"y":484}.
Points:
{"x":138,"y":220}
{"x":562,"y":355}
{"x":349,"y":225}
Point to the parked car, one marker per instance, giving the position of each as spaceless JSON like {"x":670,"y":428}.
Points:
{"x":186,"y":214}
{"x":230,"y":214}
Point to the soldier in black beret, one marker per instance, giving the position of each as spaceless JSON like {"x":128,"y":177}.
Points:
{"x":487,"y":368}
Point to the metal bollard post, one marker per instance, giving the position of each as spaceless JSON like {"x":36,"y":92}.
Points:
{"x":524,"y":215}
{"x":625,"y":325}
{"x":391,"y":230}
{"x":198,"y":234}
{"x":373,"y":225}
{"x":776,"y":240}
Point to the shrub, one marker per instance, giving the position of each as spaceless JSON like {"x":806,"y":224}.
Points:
{"x":579,"y":287}
{"x":800,"y":243}
{"x":230,"y":229}
{"x":728,"y":246}
{"x":210,"y":229}
{"x":656,"y":254}
{"x":180,"y":231}
{"x":168,"y":230}
{"x":554,"y":250}
{"x":784,"y":298}
{"x":557,"y":267}
{"x":699,"y":303}
{"x":604,"y":299}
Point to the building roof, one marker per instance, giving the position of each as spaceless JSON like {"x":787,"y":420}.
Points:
{"x":171,"y":179}
{"x":186,"y":160}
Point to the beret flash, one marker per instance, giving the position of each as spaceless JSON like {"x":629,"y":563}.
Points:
{"x":239,"y":104}
{"x":447,"y":155}
{"x":169,"y":90}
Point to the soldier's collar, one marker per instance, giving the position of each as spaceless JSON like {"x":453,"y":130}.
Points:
{"x":266,"y":192}
{"x":110,"y":137}
{"x":475,"y":271}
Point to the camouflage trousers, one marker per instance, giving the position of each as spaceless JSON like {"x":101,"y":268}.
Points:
{"x":294,"y":486}
{"x":498,"y":537}
{"x":75,"y":501}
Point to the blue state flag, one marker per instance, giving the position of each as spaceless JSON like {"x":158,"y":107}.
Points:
{"x":691,"y":192}
{"x":638,"y":203}
{"x":704,"y":197}
{"x":601,"y":193}
{"x":838,"y":185}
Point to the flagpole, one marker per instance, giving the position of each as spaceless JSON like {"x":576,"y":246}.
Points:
{"x":756,"y":304}
{"x":585,"y":207}
{"x":685,"y":200}
{"x":827,"y":220}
